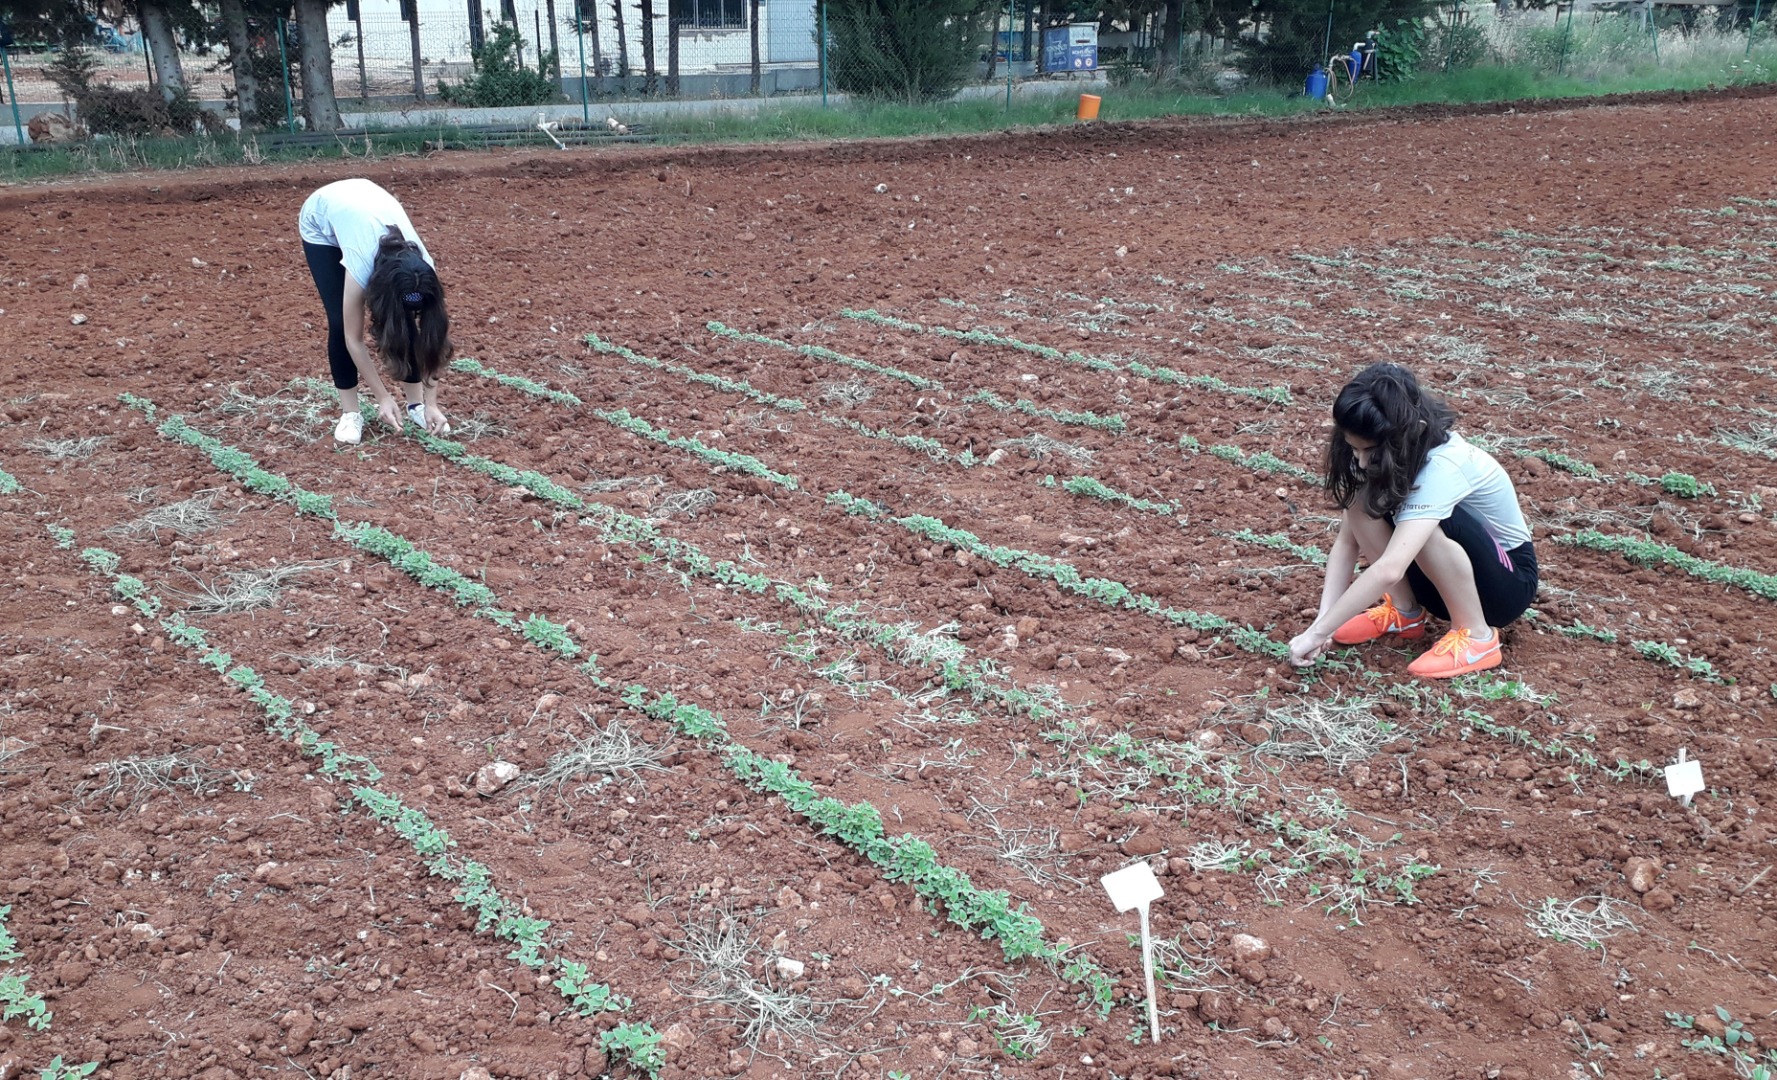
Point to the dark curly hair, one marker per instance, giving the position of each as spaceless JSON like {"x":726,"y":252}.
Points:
{"x":407,"y":315}
{"x":1383,"y":404}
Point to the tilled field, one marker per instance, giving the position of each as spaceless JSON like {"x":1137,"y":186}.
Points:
{"x":845,"y":556}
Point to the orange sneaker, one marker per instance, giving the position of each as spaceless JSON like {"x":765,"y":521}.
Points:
{"x":1457,"y":654}
{"x":1379,"y":621}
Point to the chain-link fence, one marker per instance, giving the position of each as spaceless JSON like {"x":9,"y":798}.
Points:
{"x":381,"y":63}
{"x":391,"y":59}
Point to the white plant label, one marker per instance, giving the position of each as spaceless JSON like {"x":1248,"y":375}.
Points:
{"x":1685,"y":778}
{"x":1135,"y":887}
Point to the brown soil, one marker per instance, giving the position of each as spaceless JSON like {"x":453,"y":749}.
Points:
{"x":1579,"y":280}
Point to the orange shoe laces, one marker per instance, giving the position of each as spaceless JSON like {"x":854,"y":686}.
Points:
{"x":1456,"y":641}
{"x":1385,"y":615}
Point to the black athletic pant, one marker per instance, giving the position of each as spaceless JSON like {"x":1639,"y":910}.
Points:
{"x":1506,"y":580}
{"x":330,"y":282}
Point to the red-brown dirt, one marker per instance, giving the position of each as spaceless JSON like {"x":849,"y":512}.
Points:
{"x":1581,"y":281}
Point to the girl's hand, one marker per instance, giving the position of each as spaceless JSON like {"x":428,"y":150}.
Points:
{"x":436,"y":422}
{"x":1306,"y":647}
{"x":388,"y":411}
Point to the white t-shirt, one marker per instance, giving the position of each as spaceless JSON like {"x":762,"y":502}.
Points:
{"x":353,"y":216}
{"x":1458,"y":473}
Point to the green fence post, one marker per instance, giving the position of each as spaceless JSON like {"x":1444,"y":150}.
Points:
{"x":1010,"y":18}
{"x":823,"y":54}
{"x":1561,"y":64}
{"x":580,"y":35}
{"x":284,"y":62}
{"x":1753,"y":29}
{"x":13,"y":97}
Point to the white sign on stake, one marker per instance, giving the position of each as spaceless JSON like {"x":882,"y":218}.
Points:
{"x":1685,"y":778}
{"x":1135,"y":886}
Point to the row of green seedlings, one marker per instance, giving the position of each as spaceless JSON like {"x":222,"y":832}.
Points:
{"x":820,"y":352}
{"x":16,"y":1000}
{"x":1273,"y":395}
{"x":1330,"y":862}
{"x":1512,"y":278}
{"x":904,"y":858}
{"x":1261,"y":462}
{"x":1064,"y":574}
{"x":1674,"y":483}
{"x":903,"y":642}
{"x":1659,"y":652}
{"x":636,"y":1043}
{"x":1447,"y":704}
{"x":931,"y":447}
{"x":917,"y":443}
{"x":1311,"y":846}
{"x":1653,"y":554}
{"x":1099,"y":588}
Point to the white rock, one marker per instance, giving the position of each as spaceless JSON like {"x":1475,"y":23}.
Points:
{"x":81,"y":281}
{"x":1249,"y":949}
{"x":495,"y":775}
{"x":788,"y":968}
{"x":77,"y":319}
{"x":882,"y":189}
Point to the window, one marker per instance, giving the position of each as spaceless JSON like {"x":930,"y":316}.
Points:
{"x":711,"y":14}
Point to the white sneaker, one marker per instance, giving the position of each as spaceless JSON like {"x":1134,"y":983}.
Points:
{"x":349,"y":430}
{"x":417,"y":413}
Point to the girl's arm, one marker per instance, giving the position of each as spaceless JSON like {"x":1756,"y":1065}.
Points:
{"x":352,"y":312}
{"x":1341,"y":564}
{"x":435,"y":419}
{"x":1404,"y":545}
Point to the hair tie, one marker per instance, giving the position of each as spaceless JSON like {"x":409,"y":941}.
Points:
{"x":414,"y":301}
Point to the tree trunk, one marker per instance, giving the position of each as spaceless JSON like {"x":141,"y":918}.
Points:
{"x":622,"y":48}
{"x":993,"y":46}
{"x":591,"y":25}
{"x":157,"y":30}
{"x":240,"y":62}
{"x":672,"y":48}
{"x":318,"y":103}
{"x":554,"y":41}
{"x":753,"y":28}
{"x":1171,"y":37}
{"x":413,"y":39}
{"x":650,"y":75}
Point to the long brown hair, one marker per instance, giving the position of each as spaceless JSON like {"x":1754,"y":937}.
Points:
{"x":407,"y":314}
{"x":1383,"y":404}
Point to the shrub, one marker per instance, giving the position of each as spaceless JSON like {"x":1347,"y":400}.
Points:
{"x":500,"y":75}
{"x":909,"y":50}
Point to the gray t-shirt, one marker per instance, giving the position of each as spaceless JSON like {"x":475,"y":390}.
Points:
{"x":1458,"y":473}
{"x":353,"y":215}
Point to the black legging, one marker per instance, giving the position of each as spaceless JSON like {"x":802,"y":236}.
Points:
{"x":330,"y":281}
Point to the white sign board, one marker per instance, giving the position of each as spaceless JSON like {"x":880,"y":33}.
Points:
{"x":1135,"y":887}
{"x":1685,"y":778}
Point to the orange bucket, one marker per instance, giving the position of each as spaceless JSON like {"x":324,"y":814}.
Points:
{"x":1088,"y":109}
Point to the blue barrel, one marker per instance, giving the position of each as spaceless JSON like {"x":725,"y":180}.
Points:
{"x":1317,"y":84}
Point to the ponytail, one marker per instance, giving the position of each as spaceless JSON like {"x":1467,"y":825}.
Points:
{"x":407,"y":313}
